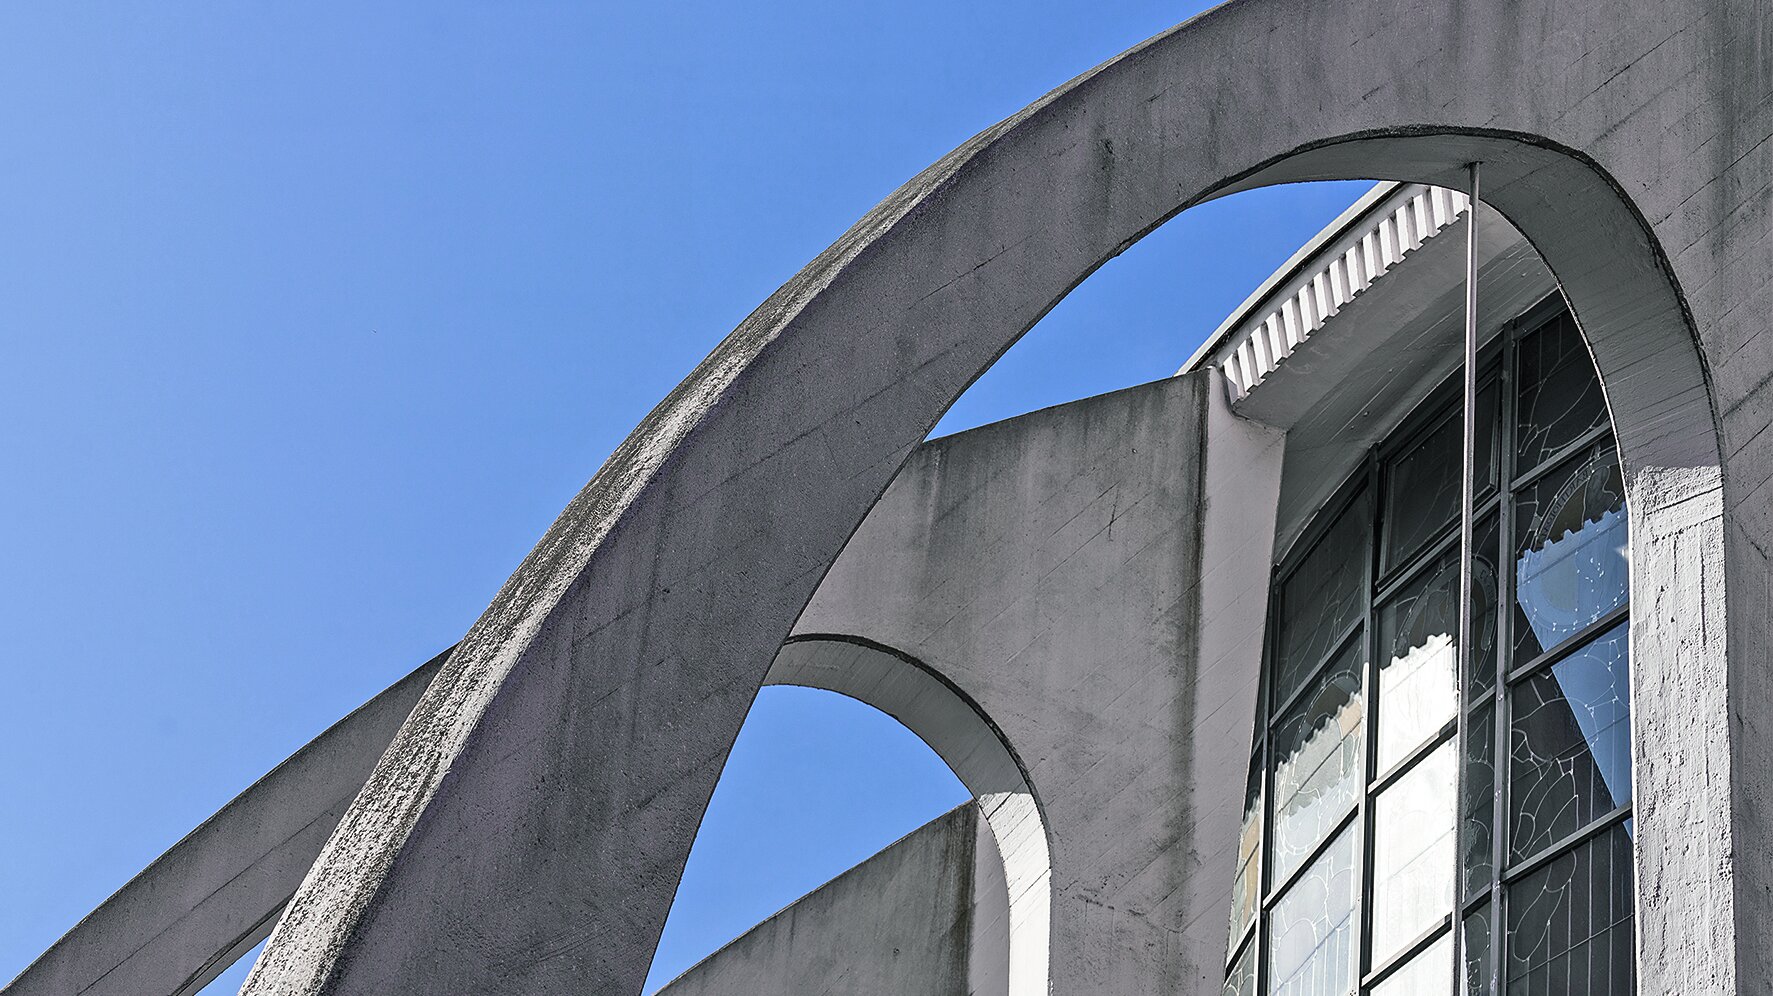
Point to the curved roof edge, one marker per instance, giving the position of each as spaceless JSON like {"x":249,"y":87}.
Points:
{"x":1364,"y":243}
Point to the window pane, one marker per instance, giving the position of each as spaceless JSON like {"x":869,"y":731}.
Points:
{"x":1418,"y":667}
{"x":1569,"y":924}
{"x":1560,"y":396}
{"x":1478,"y":810}
{"x":1570,"y":746}
{"x":1247,"y":887}
{"x":1570,"y":553}
{"x":1317,"y":749}
{"x":1422,"y":490}
{"x":1428,"y":974}
{"x":1241,"y":980}
{"x":1322,"y":599}
{"x":1311,"y":929}
{"x":1422,"y":482}
{"x":1477,"y":952}
{"x":1486,"y":542}
{"x":1413,"y":853}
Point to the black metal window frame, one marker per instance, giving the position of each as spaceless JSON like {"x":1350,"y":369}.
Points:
{"x":1497,"y":370}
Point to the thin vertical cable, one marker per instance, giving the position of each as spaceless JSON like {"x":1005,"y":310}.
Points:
{"x":1467,"y":539}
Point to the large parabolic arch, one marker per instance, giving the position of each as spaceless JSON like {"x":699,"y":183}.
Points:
{"x":526,"y":828}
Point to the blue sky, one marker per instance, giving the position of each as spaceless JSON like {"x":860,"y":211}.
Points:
{"x":313,"y":317}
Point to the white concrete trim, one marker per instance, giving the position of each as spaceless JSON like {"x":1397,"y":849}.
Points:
{"x":973,"y":749}
{"x":1339,"y":263}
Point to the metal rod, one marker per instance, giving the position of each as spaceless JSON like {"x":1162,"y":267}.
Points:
{"x":1467,"y":539}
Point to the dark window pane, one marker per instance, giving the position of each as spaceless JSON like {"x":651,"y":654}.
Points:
{"x":1418,"y":660}
{"x":1570,"y":923}
{"x":1413,"y":854}
{"x":1486,"y":554}
{"x":1247,"y":887}
{"x":1317,"y":748}
{"x":1311,"y":929}
{"x":1241,"y":980}
{"x":1570,"y":746}
{"x":1430,"y":973}
{"x":1477,"y":952}
{"x":1422,"y":482}
{"x":1570,"y":553}
{"x":1560,"y":396}
{"x":1322,"y":599}
{"x":1478,"y":810}
{"x":1422,"y":490}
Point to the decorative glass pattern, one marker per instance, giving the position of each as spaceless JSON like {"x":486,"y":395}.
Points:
{"x":1246,"y":889}
{"x":1477,"y":811}
{"x":1311,"y":930}
{"x":1317,"y":749}
{"x":1570,"y":554}
{"x":1422,"y":482}
{"x":1430,"y":973}
{"x":1475,"y":932}
{"x":1570,"y":923}
{"x":1486,"y":545}
{"x":1241,"y":980}
{"x":1413,"y":854}
{"x":1486,"y":814}
{"x":1322,"y":599}
{"x":1570,"y":745}
{"x":1560,"y":395}
{"x":1419,"y":661}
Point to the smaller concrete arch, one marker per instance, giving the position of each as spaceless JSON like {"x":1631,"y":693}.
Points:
{"x":958,"y":730}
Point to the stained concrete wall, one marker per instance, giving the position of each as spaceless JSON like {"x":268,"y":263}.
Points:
{"x":527,"y":826}
{"x":1094,"y":578}
{"x":898,"y":923}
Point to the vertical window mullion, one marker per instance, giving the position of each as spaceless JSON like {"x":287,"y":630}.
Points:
{"x":1369,"y":731}
{"x":1506,"y":395}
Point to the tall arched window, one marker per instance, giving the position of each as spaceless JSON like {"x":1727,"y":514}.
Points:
{"x":1383,"y":828}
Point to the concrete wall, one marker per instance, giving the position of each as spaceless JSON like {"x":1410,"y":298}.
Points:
{"x":528,"y":824}
{"x":898,"y":923}
{"x":1094,"y":578}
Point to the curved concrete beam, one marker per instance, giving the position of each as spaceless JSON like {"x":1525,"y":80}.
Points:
{"x":526,"y":829}
{"x":216,"y":893}
{"x":964,"y":738}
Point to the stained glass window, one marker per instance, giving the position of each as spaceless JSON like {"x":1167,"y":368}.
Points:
{"x":1416,"y":822}
{"x":1317,"y":762}
{"x":1413,"y":853}
{"x":1322,"y":599}
{"x":1312,"y":930}
{"x":1428,"y":973}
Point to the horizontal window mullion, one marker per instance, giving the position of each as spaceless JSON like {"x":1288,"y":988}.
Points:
{"x":1587,"y":441}
{"x":1353,"y":630}
{"x":1422,"y":943}
{"x":1578,"y":640}
{"x":1390,"y":776}
{"x":1305,"y":863}
{"x":1558,"y":849}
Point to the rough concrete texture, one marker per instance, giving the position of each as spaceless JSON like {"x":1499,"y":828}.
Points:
{"x":527,"y":826}
{"x":1012,"y":910}
{"x":213,"y":895}
{"x":897,"y":923}
{"x":1051,"y":569}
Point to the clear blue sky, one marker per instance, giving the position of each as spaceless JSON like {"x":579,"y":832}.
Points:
{"x":313,"y":317}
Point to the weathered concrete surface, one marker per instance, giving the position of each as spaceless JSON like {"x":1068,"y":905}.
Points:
{"x":215,"y":894}
{"x":1051,"y":568}
{"x":1012,"y":903}
{"x":526,"y":828}
{"x":897,"y":923}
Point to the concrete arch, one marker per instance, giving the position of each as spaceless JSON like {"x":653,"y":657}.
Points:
{"x":525,"y":829}
{"x":975,"y":749}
